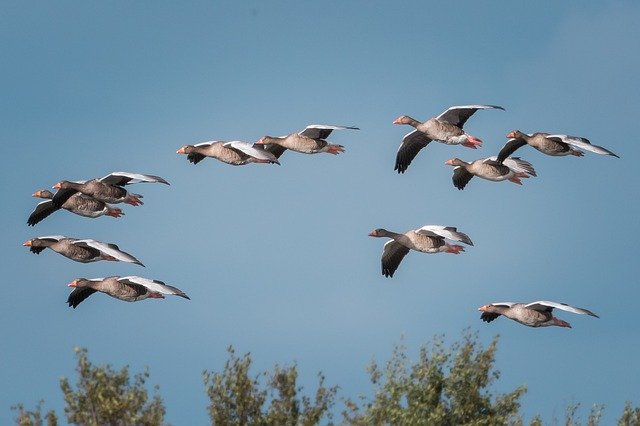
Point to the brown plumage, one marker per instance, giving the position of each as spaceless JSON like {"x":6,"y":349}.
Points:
{"x":536,"y":314}
{"x":76,"y":203}
{"x":129,"y":289}
{"x":446,"y":128}
{"x":428,"y":239}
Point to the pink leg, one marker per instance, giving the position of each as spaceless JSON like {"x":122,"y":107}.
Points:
{"x":454,"y":248}
{"x":335,"y":149}
{"x":472,"y":142}
{"x":133,"y":199}
{"x":115,"y":212}
{"x":155,"y":295}
{"x":577,"y":153}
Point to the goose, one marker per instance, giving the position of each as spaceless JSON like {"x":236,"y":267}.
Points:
{"x":236,"y":153}
{"x":512,"y":169}
{"x":445,"y":128}
{"x":109,"y":189}
{"x":428,"y":239}
{"x":83,"y":251}
{"x":555,"y":145}
{"x":77,"y":203}
{"x":129,"y":289}
{"x":311,"y":140}
{"x":535,"y":314}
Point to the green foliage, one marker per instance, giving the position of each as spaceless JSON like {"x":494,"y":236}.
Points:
{"x":34,"y":418}
{"x":106,"y":397}
{"x":237,"y":398}
{"x":443,"y":387}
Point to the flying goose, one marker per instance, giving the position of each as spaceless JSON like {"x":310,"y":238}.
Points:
{"x":109,"y":189}
{"x":445,"y":128}
{"x":236,"y":153}
{"x":84,"y":251}
{"x":512,"y":169}
{"x":556,"y":145}
{"x":129,"y":289}
{"x":535,"y":314}
{"x":77,"y":203}
{"x":311,"y":140}
{"x":428,"y":239}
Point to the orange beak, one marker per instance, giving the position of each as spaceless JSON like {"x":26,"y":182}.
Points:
{"x":372,"y":234}
{"x":27,"y":243}
{"x":181,"y":150}
{"x":397,"y":121}
{"x":57,"y":186}
{"x":36,"y":194}
{"x":511,"y":134}
{"x":260,"y":141}
{"x":483,"y":308}
{"x":449,"y":162}
{"x":73,"y":283}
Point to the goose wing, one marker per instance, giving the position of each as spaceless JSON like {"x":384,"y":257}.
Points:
{"x":42,"y":210}
{"x":153,"y":285}
{"x":109,"y":249}
{"x":411,"y":144}
{"x":252,"y":150}
{"x":449,"y":232}
{"x":322,"y":131}
{"x":126,"y":178}
{"x":509,"y":148}
{"x":461,"y":177}
{"x":392,"y":255}
{"x":582,"y":143}
{"x":545,"y":305}
{"x":78,"y":295}
{"x":62,"y":195}
{"x":458,"y":115}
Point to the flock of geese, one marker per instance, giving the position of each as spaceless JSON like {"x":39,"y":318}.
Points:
{"x":93,"y":198}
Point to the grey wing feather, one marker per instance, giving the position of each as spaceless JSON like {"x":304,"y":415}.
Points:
{"x":42,"y":210}
{"x":322,"y":131}
{"x":461,"y":177}
{"x":411,"y":144}
{"x":449,"y":232}
{"x":392,"y":255}
{"x":545,"y":305}
{"x":110,"y":250}
{"x":582,"y":143}
{"x":458,"y":115}
{"x":509,"y":148}
{"x":126,"y":178}
{"x":153,"y":285}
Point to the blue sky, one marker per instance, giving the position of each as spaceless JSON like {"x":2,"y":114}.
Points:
{"x":276,"y":259}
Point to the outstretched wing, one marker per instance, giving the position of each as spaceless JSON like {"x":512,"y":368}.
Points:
{"x":461,"y":177}
{"x":411,"y":144}
{"x":449,"y":232}
{"x":252,"y":150}
{"x":509,"y":148}
{"x":126,"y":178}
{"x":322,"y":131}
{"x":582,"y":143}
{"x":458,"y":115}
{"x":42,"y":210}
{"x":153,"y":285}
{"x":78,"y":295}
{"x":392,"y":255}
{"x":62,"y":196}
{"x":109,"y":249}
{"x":545,"y":305}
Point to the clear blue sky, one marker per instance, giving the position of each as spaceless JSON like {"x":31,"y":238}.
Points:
{"x":276,"y":259}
